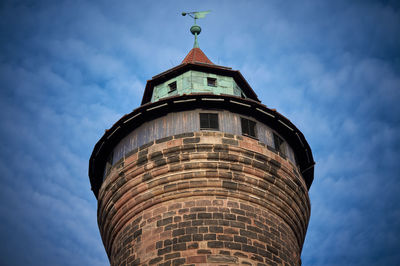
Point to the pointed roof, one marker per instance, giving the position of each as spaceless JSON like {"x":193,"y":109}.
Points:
{"x":196,"y":55}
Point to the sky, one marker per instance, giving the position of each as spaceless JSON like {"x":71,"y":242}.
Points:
{"x":70,"y":69}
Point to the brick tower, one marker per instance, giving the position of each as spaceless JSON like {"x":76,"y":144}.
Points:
{"x":202,"y":173}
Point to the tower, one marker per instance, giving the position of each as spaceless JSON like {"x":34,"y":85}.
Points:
{"x":202,"y":173}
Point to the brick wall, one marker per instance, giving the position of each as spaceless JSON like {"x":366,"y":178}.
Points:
{"x":203,"y":198}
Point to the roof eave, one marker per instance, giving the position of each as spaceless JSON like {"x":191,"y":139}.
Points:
{"x":147,"y":111}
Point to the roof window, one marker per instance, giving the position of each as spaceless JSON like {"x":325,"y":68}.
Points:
{"x":248,"y":127}
{"x":212,"y":82}
{"x":172,"y":86}
{"x":209,"y":121}
{"x":279,"y":145}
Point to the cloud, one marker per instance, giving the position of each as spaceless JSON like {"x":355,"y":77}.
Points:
{"x":69,"y":70}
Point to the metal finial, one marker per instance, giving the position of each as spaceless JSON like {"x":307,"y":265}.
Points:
{"x":195,"y":29}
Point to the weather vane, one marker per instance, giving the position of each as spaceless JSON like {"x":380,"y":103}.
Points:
{"x":195,"y":29}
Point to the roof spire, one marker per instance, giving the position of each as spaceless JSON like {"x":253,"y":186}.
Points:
{"x":195,"y":29}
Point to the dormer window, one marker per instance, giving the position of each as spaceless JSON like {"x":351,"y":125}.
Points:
{"x":172,"y":86}
{"x":279,"y":145}
{"x":209,"y":121}
{"x":109,"y":163}
{"x":248,"y":127}
{"x":212,"y":82}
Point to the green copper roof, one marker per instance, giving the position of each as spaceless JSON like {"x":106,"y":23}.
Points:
{"x":192,"y":82}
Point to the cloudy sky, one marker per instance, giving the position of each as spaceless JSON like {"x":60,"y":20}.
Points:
{"x":70,"y":69}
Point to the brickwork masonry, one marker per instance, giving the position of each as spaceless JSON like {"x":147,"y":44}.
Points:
{"x":203,"y":198}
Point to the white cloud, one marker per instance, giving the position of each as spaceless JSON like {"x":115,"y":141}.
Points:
{"x":69,"y":70}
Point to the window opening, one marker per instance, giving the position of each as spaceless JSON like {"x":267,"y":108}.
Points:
{"x":109,"y":163}
{"x":248,"y":127}
{"x":172,"y":86}
{"x":212,"y":82}
{"x":279,"y":144}
{"x":209,"y":121}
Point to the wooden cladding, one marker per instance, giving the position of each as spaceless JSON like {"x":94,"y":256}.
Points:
{"x":192,"y":121}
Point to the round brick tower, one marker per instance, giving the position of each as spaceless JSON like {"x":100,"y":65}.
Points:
{"x":202,"y":173}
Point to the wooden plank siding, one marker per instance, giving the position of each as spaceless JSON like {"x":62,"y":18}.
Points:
{"x":189,"y":121}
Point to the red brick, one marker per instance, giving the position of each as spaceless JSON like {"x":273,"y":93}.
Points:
{"x":195,"y":208}
{"x":196,"y":259}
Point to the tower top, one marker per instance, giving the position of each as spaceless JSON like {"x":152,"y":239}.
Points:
{"x":196,"y":55}
{"x":195,"y":29}
{"x":197,"y":84}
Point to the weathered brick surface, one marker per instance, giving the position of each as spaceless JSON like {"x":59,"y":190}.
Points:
{"x":203,"y":198}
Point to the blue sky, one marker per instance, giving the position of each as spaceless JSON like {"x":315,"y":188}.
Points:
{"x":70,"y":69}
